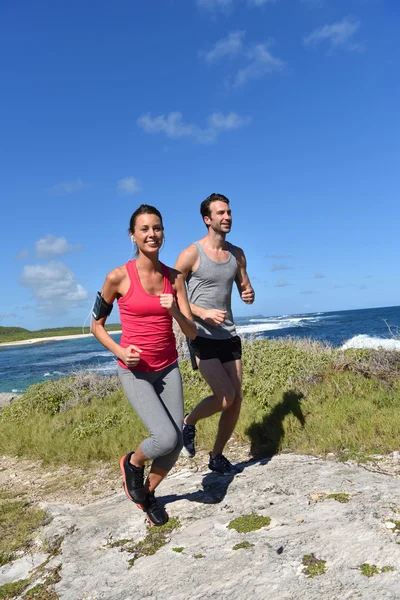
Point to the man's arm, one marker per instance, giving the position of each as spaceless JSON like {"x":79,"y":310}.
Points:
{"x":186,"y":263}
{"x":242,"y":280}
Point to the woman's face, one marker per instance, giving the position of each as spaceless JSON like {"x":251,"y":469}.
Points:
{"x":148,"y":233}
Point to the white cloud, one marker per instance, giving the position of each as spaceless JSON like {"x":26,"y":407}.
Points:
{"x":307,"y":292}
{"x":319,"y":276}
{"x":6,"y":315}
{"x":280,"y":267}
{"x":258,"y":57}
{"x":278,"y":256}
{"x":69,"y":187}
{"x":223,"y":5}
{"x":214,"y":4}
{"x":53,"y":246}
{"x":261,"y":62}
{"x":337,"y":35}
{"x":260,"y":2}
{"x":281,"y":283}
{"x":53,"y":286}
{"x":229,"y":46}
{"x":22,"y":254}
{"x":128,"y":185}
{"x":174,"y":127}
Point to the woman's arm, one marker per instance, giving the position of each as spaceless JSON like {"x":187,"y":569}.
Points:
{"x":131,"y":355}
{"x":180,"y":309}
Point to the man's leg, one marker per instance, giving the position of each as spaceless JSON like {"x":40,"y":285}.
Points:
{"x":230,"y":415}
{"x":224,"y":390}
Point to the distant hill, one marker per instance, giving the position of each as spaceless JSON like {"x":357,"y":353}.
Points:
{"x":17,"y":334}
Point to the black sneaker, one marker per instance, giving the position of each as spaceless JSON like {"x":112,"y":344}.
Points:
{"x":189,"y":433}
{"x":156,"y":514}
{"x":133,"y":479}
{"x":221,"y":464}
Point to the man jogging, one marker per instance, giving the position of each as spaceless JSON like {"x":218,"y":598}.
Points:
{"x":210,"y":267}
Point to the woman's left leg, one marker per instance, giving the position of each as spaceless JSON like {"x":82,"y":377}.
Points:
{"x":169,"y":389}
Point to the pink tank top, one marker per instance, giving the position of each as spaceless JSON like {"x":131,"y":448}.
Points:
{"x":146,"y":324}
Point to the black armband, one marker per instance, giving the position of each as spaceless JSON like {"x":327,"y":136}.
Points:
{"x":101,"y":308}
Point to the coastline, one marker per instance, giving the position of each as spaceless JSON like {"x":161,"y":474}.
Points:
{"x":55,"y":338}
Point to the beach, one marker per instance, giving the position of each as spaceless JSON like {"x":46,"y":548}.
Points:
{"x":55,"y":338}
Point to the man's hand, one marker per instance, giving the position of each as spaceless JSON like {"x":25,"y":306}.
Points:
{"x":247,"y":293}
{"x":130,"y":356}
{"x":168,"y":301}
{"x":213,"y":316}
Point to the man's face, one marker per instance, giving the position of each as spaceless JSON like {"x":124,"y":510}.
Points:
{"x":220,"y":219}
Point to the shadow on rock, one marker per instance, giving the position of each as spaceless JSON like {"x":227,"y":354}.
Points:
{"x":214,"y":490}
{"x":266,"y":436}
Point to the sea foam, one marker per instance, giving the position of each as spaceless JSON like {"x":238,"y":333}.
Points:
{"x":366,"y":341}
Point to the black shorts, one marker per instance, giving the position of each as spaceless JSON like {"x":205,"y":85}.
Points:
{"x":207,"y":348}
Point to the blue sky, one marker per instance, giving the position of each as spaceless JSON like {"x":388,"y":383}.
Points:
{"x":288,"y":107}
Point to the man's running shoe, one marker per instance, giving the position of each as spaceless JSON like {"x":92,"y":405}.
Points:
{"x":189,"y":433}
{"x":133,"y":479}
{"x":156,"y":514}
{"x":221,"y":464}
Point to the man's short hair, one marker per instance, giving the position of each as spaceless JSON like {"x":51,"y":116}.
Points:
{"x":205,"y":205}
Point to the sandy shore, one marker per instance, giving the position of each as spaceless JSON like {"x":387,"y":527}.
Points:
{"x":6,"y":397}
{"x":54,"y":338}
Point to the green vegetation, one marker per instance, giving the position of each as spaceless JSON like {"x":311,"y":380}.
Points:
{"x":18,"y":522}
{"x":14,"y":589}
{"x":178,"y":549}
{"x":369,"y":570}
{"x":243,"y":544}
{"x":248,"y":523}
{"x":156,"y":538}
{"x":44,"y":591}
{"x":299,"y":396}
{"x":198,"y":556}
{"x":313,"y":566}
{"x":19,"y":334}
{"x":339,"y":497}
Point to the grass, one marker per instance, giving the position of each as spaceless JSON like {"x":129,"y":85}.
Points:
{"x":14,"y":589}
{"x":243,"y":545}
{"x":313,"y":566}
{"x":250,"y":522}
{"x":18,"y":523}
{"x":299,"y":396}
{"x":339,"y":497}
{"x":371,"y":570}
{"x":40,"y":591}
{"x":155,"y":539}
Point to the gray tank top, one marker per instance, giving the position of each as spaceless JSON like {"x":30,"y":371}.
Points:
{"x":210,"y":286}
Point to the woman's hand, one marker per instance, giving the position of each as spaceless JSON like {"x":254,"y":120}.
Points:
{"x":168,"y":301}
{"x":130,"y":356}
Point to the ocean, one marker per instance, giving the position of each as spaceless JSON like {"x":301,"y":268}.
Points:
{"x":21,"y":366}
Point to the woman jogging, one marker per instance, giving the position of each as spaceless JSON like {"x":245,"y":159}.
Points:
{"x":149,"y":295}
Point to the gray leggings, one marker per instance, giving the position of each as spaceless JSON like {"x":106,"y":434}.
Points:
{"x":157,"y":398}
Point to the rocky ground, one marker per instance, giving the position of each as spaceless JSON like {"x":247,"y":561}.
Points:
{"x":6,"y":397}
{"x":334,"y":532}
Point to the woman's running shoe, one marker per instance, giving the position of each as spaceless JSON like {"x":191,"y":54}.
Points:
{"x":156,"y":514}
{"x":133,"y":479}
